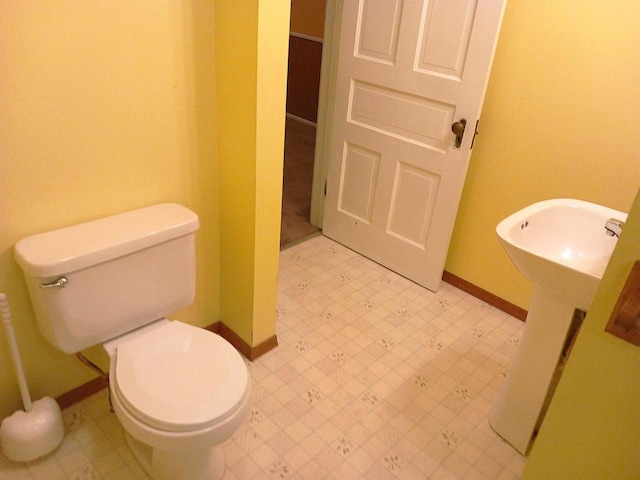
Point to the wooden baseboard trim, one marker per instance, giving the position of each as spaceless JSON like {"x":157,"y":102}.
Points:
{"x":306,"y":37}
{"x":80,"y":393}
{"x":264,"y":347}
{"x":485,"y":296}
{"x":302,"y":122}
{"x":243,"y":347}
{"x":214,"y":327}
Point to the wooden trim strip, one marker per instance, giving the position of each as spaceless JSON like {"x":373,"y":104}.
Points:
{"x":485,"y":296}
{"x":214,"y":327}
{"x":80,"y":393}
{"x":303,"y":121}
{"x":234,"y":339}
{"x":264,"y":347}
{"x":305,"y":37}
{"x":243,"y":347}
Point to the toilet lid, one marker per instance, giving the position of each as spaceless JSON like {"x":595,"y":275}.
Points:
{"x":179,"y":377}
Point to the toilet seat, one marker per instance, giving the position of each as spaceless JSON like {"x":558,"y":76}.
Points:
{"x":179,"y":378}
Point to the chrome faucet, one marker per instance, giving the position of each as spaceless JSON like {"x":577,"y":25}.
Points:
{"x":613,"y":227}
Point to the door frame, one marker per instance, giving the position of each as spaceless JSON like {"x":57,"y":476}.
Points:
{"x":326,"y":97}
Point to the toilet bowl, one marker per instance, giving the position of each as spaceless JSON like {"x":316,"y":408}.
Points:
{"x":178,"y":390}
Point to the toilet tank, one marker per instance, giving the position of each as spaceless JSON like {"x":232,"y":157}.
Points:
{"x":119,"y":273}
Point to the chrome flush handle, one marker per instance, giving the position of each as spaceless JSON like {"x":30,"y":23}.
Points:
{"x":59,"y":283}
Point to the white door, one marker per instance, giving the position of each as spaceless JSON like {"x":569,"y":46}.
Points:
{"x":407,"y":71}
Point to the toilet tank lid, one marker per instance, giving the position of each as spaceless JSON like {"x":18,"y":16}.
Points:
{"x":79,"y":246}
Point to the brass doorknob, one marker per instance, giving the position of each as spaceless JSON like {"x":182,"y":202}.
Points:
{"x":458,"y":129}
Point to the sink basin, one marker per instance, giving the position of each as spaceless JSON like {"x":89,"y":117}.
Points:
{"x":561,"y":245}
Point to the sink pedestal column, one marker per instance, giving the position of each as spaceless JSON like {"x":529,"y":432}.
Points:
{"x":517,"y":411}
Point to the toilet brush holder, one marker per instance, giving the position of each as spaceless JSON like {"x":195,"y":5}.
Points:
{"x":36,"y":431}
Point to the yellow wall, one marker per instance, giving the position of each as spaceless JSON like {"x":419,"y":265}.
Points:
{"x":236,"y":54}
{"x":307,"y":17}
{"x":110,"y":106}
{"x":273,"y":41}
{"x":103,"y":110}
{"x":251,"y":50}
{"x":107,"y":106}
{"x":592,"y":428}
{"x":560,"y":119}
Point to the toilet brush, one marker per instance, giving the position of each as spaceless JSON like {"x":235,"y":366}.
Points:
{"x":37,"y":430}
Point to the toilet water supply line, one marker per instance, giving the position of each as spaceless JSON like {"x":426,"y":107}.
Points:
{"x":102,"y":373}
{"x":13,"y":346}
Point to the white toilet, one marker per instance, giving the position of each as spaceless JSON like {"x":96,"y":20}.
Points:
{"x":178,"y":390}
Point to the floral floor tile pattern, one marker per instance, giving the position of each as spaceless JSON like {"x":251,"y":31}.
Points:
{"x":374,"y":378}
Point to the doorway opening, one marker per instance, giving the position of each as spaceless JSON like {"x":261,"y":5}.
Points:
{"x":299,"y":148}
{"x":303,"y":85}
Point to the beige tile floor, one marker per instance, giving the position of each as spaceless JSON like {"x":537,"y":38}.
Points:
{"x":374,"y":378}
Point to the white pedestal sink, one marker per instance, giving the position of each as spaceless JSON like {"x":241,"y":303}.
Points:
{"x":562,"y":247}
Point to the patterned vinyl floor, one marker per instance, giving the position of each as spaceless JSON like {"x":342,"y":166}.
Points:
{"x":374,"y":378}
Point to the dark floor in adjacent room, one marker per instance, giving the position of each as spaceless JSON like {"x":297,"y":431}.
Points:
{"x":298,"y":176}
